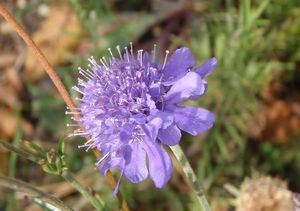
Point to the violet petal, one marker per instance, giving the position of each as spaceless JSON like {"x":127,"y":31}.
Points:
{"x":193,"y":120}
{"x":160,"y":164}
{"x":179,"y":64}
{"x":170,"y":135}
{"x":190,"y":85}
{"x":207,"y":67}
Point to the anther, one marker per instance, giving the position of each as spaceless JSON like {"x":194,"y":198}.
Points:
{"x":154,"y":53}
{"x":78,"y":90}
{"x":78,"y":134}
{"x":103,"y":62}
{"x":93,"y":61}
{"x":76,"y":119}
{"x":79,"y":99}
{"x":131,"y":49}
{"x":83,"y":145}
{"x":84,"y":73}
{"x":118,"y":49}
{"x":109,"y":49}
{"x":73,"y":125}
{"x":73,"y":109}
{"x":72,"y":112}
{"x":140,"y":56}
{"x":81,"y":82}
{"x":103,"y":158}
{"x":166,"y":56}
{"x":88,"y":72}
{"x":126,"y":50}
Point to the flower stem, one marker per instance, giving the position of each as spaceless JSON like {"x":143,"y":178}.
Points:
{"x":57,"y":82}
{"x":95,"y":201}
{"x":20,"y":151}
{"x":18,"y":185}
{"x":191,"y":176}
{"x":11,"y":201}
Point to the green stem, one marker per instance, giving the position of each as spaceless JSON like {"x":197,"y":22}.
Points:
{"x":95,"y":201}
{"x":21,"y":186}
{"x":16,"y":143}
{"x":191,"y":176}
{"x":68,"y":176}
{"x":20,"y":152}
{"x":11,"y":201}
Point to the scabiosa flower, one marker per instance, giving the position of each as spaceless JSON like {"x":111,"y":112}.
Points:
{"x":130,"y":109}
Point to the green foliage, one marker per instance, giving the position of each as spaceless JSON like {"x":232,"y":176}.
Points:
{"x":243,"y":39}
{"x":112,"y":29}
{"x":49,"y":109}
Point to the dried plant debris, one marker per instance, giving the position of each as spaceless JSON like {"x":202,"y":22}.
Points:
{"x":279,"y":114}
{"x":265,"y":194}
{"x":58,"y":36}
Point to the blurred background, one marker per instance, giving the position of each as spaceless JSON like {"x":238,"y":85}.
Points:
{"x":254,"y":92}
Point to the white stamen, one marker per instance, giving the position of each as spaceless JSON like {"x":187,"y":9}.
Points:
{"x":166,"y":56}
{"x":81,"y":82}
{"x":103,"y":62}
{"x":93,"y":61}
{"x":81,"y":100}
{"x":103,"y":158}
{"x":88,"y":144}
{"x":127,"y":54}
{"x":109,"y":49}
{"x":78,"y":90}
{"x":154,"y":53}
{"x":140,"y":56}
{"x":90,"y":141}
{"x":83,"y":145}
{"x":74,"y":108}
{"x":73,"y":125}
{"x":79,"y":133}
{"x":118,"y":48}
{"x":76,"y":119}
{"x":84,"y":73}
{"x":131,"y":49}
{"x":89,"y":71}
{"x":72,"y":112}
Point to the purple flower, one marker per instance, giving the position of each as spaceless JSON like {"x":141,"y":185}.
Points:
{"x":130,"y":108}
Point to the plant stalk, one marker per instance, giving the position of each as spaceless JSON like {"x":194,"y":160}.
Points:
{"x":20,"y":152}
{"x":96,"y":202}
{"x":191,"y":177}
{"x":68,"y":176}
{"x":18,"y":185}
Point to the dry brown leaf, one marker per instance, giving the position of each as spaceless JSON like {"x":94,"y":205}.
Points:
{"x":7,"y":59}
{"x":278,"y":116}
{"x":10,"y":87}
{"x":6,"y":28}
{"x":8,"y":124}
{"x":57,"y":36}
{"x":14,"y":79}
{"x":9,"y":96}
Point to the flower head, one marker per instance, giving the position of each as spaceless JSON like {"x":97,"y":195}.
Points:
{"x":130,"y":108}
